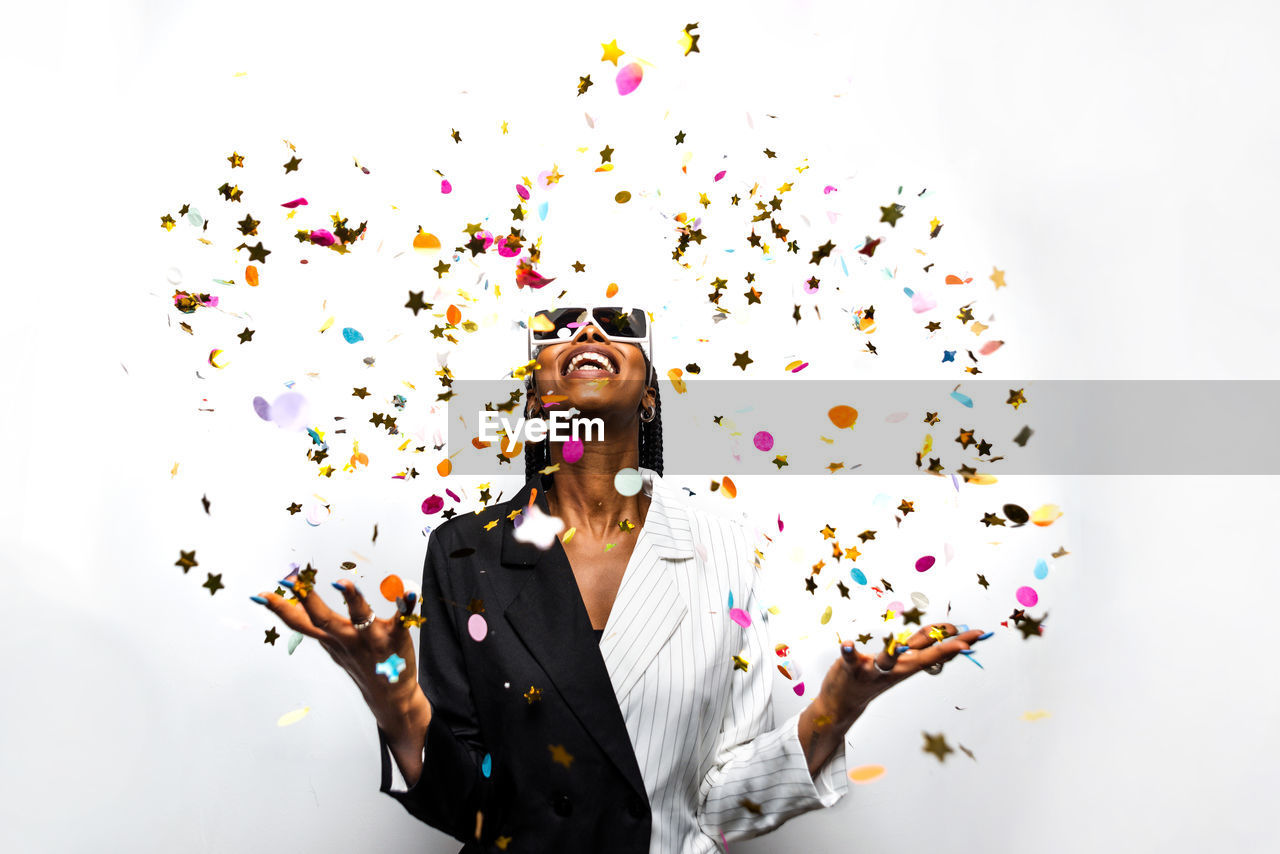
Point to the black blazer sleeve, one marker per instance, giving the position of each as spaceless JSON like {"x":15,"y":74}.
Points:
{"x":453,"y":787}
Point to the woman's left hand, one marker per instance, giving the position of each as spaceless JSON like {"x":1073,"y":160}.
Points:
{"x":854,"y":680}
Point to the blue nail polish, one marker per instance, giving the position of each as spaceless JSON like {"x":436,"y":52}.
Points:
{"x":901,"y":649}
{"x":987,"y":635}
{"x":337,"y":586}
{"x":963,"y":627}
{"x":411,"y":599}
{"x":966,"y":652}
{"x":284,"y":582}
{"x":259,"y":600}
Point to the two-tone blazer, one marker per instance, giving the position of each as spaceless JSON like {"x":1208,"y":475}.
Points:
{"x":652,"y":740}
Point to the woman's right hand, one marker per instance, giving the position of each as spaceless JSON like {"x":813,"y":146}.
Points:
{"x":399,"y":705}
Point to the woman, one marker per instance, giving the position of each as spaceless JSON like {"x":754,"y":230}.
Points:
{"x":525,"y":733}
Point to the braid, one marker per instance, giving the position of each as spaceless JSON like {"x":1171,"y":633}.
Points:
{"x":651,"y":436}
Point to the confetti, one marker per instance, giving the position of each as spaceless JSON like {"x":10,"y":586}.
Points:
{"x":391,"y":588}
{"x":1027,"y":597}
{"x":866,"y":773}
{"x":291,"y":718}
{"x":477,"y":627}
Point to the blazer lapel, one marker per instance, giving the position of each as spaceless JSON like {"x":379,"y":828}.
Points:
{"x":649,"y":606}
{"x":550,"y":618}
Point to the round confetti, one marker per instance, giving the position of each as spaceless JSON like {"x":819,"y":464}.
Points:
{"x":434,"y":504}
{"x":317,"y":514}
{"x":174,"y":276}
{"x":443,"y":468}
{"x":445,"y":187}
{"x":740,"y":617}
{"x":866,"y":773}
{"x":798,"y":688}
{"x":843,"y":416}
{"x":1045,"y":515}
{"x":925,"y":563}
{"x":486,"y":765}
{"x":857,"y":576}
{"x":628,"y":481}
{"x":763,"y":440}
{"x":1042,"y":569}
{"x":920,"y":600}
{"x":896,"y":607}
{"x":426,"y":242}
{"x":629,"y":77}
{"x":522,"y":191}
{"x":290,"y":718}
{"x":477,"y":627}
{"x":719,"y":175}
{"x":195,"y":218}
{"x":1016,"y":514}
{"x":391,"y":588}
{"x":571,"y":450}
{"x":1027,"y":597}
{"x":351,"y":335}
{"x":826,"y":616}
{"x":622,"y":197}
{"x":728,"y":488}
{"x":920,"y":303}
{"x":251,"y":275}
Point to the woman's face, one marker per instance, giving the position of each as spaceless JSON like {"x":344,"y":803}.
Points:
{"x":600,"y":378}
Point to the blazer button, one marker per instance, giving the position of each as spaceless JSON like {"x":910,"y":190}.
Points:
{"x":562,"y":805}
{"x":635,"y":806}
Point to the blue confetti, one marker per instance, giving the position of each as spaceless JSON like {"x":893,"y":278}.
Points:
{"x":842,"y":266}
{"x":542,"y":211}
{"x":856,"y":575}
{"x":730,"y":598}
{"x":487,"y":765}
{"x":909,"y":292}
{"x":352,"y":335}
{"x":1042,"y":569}
{"x":963,"y":398}
{"x":391,"y":668}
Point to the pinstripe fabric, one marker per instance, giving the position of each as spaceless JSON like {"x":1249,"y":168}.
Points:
{"x":712,"y":759}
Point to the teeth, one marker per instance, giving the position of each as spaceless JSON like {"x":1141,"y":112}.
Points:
{"x":594,"y":360}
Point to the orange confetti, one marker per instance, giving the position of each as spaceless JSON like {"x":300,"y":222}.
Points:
{"x":453,"y":314}
{"x":956,"y":280}
{"x":510,"y":449}
{"x":612,"y":290}
{"x":251,"y":275}
{"x":1046,"y":514}
{"x":480,"y":444}
{"x":445,"y":467}
{"x":424,"y":242}
{"x":843,"y":416}
{"x":392,"y":588}
{"x":866,"y":773}
{"x":728,"y":488}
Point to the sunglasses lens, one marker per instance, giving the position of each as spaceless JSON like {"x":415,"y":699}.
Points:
{"x":557,"y":323}
{"x":629,"y":324}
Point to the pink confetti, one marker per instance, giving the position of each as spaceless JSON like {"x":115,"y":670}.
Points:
{"x":295,"y":203}
{"x":990,"y":347}
{"x":522,"y":191}
{"x":827,"y":190}
{"x":449,"y":492}
{"x":477,"y":627}
{"x":629,"y":77}
{"x":798,"y":688}
{"x":925,"y":563}
{"x":719,"y":175}
{"x":1027,"y":597}
{"x":740,"y":617}
{"x":320,"y":237}
{"x":445,"y":186}
{"x":921,"y":302}
{"x":779,"y":521}
{"x":763,"y":440}
{"x":571,"y":450}
{"x":433,"y":505}
{"x":800,"y":367}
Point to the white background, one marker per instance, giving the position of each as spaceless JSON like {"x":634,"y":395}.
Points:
{"x":1116,"y":159}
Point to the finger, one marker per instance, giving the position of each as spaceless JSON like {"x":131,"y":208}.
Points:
{"x":322,"y":617}
{"x":358,"y":608}
{"x":926,"y":636}
{"x":941,"y":652}
{"x":292,"y":615}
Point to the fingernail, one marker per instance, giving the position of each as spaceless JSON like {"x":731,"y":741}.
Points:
{"x":901,"y":649}
{"x":963,"y":627}
{"x":259,"y":600}
{"x":966,"y":652}
{"x":292,"y":574}
{"x":402,"y":605}
{"x":286,"y":583}
{"x":847,"y":648}
{"x":339,"y":587}
{"x":987,"y":635}
{"x":411,"y":598}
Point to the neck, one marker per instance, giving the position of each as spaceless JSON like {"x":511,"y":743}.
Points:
{"x":583,"y":493}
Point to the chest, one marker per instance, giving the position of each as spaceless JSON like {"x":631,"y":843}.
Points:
{"x":598,"y":570}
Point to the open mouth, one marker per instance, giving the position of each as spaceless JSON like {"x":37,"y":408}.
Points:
{"x":590,"y":362}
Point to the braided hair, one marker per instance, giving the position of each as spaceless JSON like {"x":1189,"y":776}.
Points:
{"x":537,"y":455}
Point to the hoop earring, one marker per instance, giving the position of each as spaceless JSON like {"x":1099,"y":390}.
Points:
{"x":651,"y":411}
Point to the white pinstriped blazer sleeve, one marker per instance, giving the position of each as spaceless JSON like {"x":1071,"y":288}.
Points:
{"x":757,"y":765}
